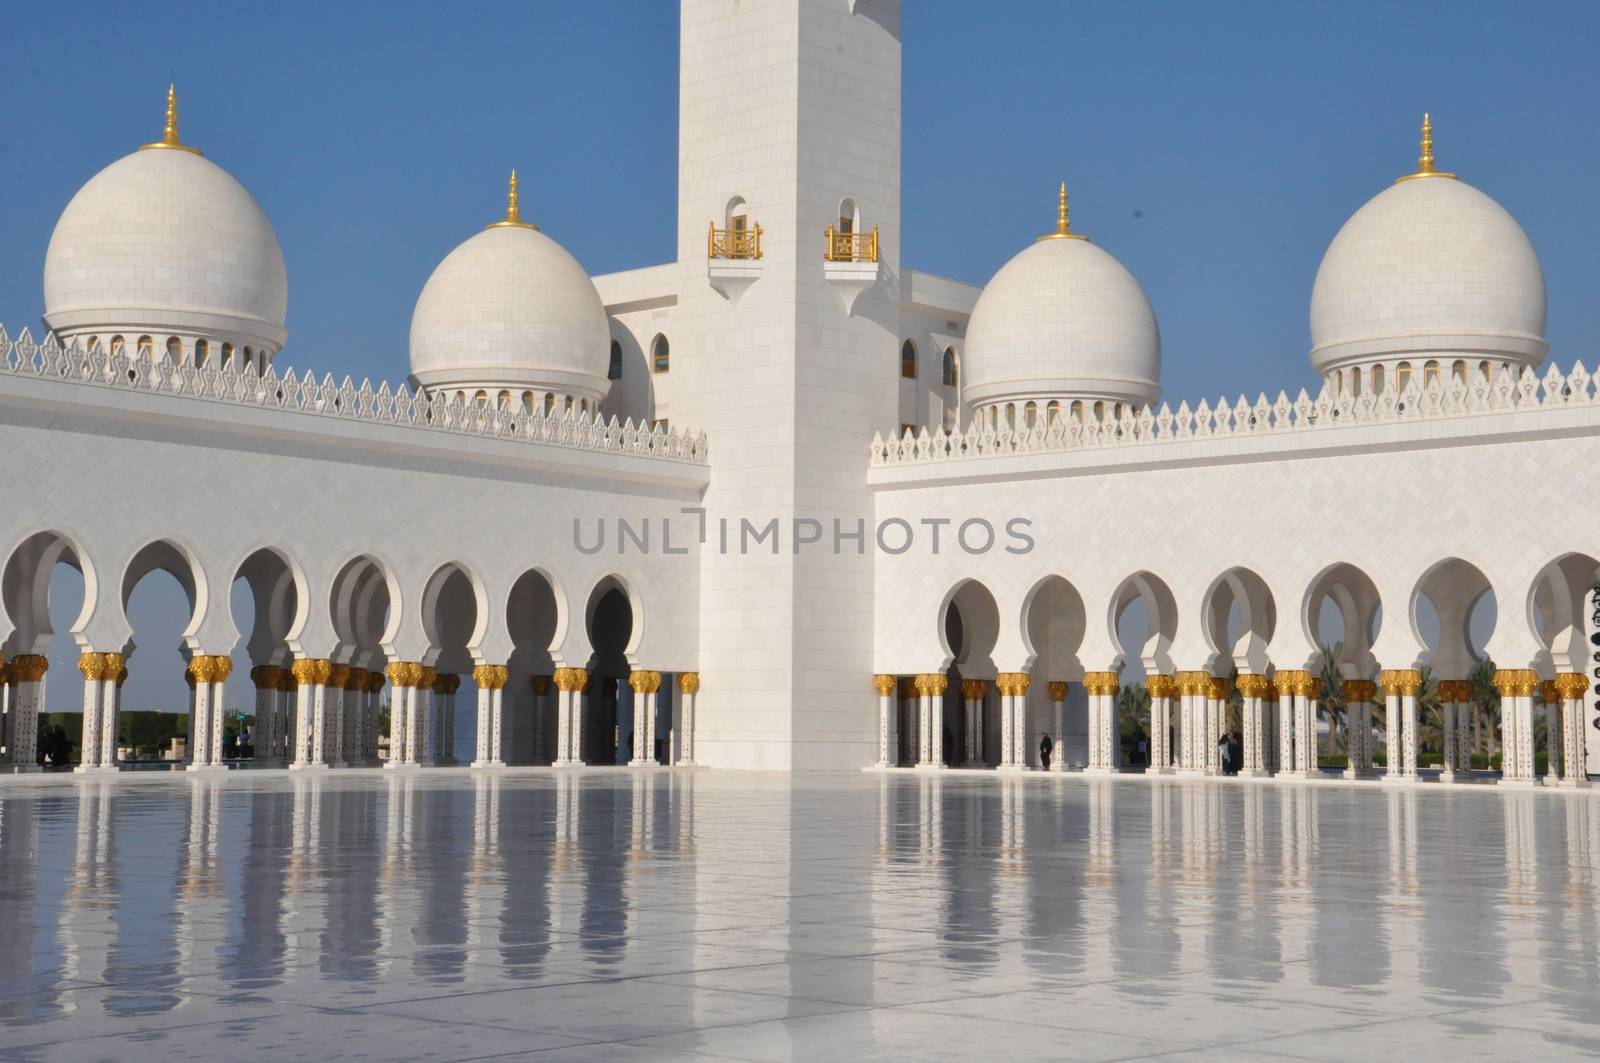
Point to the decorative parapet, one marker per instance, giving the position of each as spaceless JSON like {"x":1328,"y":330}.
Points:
{"x":1509,"y":393}
{"x":347,"y":401}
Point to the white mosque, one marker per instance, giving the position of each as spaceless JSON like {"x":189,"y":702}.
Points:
{"x":787,"y":503}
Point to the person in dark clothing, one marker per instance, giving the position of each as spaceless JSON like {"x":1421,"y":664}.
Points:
{"x":1046,"y":747}
{"x":1225,"y":754}
{"x":949,"y":749}
{"x":60,"y":748}
{"x":1236,"y":751}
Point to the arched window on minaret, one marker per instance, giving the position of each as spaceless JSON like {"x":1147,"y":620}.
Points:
{"x":661,"y":354}
{"x":951,"y":369}
{"x":614,"y":371}
{"x":908,"y":360}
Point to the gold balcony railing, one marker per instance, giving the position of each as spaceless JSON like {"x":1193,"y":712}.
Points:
{"x":850,"y":247}
{"x":733,"y":243}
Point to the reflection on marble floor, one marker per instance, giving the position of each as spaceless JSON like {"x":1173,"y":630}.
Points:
{"x":668,"y":915}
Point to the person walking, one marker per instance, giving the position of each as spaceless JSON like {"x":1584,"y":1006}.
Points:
{"x":1046,"y":747}
{"x":1225,"y":754}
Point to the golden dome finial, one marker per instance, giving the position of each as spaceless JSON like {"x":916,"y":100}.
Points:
{"x":169,"y":134}
{"x":1063,"y":224}
{"x":513,"y":218}
{"x":1425,"y":155}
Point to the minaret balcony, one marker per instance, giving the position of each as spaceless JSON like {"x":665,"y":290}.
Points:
{"x":850,"y":263}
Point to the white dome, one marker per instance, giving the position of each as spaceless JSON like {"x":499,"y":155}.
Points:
{"x":1062,"y":320}
{"x":511,"y":308}
{"x":1429,"y":265}
{"x":163,"y":241}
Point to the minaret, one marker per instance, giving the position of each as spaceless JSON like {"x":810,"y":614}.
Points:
{"x":790,"y":120}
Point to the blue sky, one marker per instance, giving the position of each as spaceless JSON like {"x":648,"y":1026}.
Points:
{"x":1215,"y":148}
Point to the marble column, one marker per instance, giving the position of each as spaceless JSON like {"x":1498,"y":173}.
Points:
{"x":311,"y":677}
{"x":210,"y":673}
{"x":1105,"y":746}
{"x":973,"y":691}
{"x":371,"y":713}
{"x":1516,"y":687}
{"x":1270,"y":751}
{"x":1308,"y":693}
{"x":569,"y":716}
{"x":932,"y":687}
{"x":1161,"y":688}
{"x":27,"y":697}
{"x":333,"y":715}
{"x":1288,"y":683}
{"x":1058,"y":705}
{"x":353,"y":743}
{"x":1013,"y":687}
{"x":688,"y":687}
{"x":1552,"y":731}
{"x":111,"y":709}
{"x":1358,"y":695}
{"x":541,"y":691}
{"x":265,"y":677}
{"x":1570,"y":689}
{"x":1251,"y":689}
{"x":491,"y":680}
{"x":1217,"y":692}
{"x":93,"y":667}
{"x":1448,"y":732}
{"x":1193,"y":689}
{"x":403,"y":678}
{"x":288,"y":725}
{"x":420,"y":729}
{"x":1400,"y":688}
{"x":884,"y":685}
{"x":645,"y":684}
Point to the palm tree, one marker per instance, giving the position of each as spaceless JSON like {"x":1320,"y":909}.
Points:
{"x":1486,"y":700}
{"x":1333,"y":700}
{"x":1430,"y":713}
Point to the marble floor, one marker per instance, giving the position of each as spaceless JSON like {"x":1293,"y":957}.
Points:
{"x":615,"y":915}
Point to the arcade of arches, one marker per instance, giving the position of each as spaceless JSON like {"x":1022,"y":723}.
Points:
{"x":1237,"y":710}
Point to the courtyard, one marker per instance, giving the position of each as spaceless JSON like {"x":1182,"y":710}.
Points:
{"x":672,"y":915}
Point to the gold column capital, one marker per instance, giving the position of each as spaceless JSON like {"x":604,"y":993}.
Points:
{"x":1403,"y":682}
{"x":1218,"y":689}
{"x":1516,"y":682}
{"x":974,"y":689}
{"x":571,"y":679}
{"x":1013,"y":683}
{"x":883,"y":684}
{"x":203,"y":669}
{"x":1101,"y":683}
{"x":29,"y":667}
{"x":338,"y":675}
{"x":266,"y":676}
{"x":1571,"y":685}
{"x":1192,"y":683}
{"x":1058,"y":690}
{"x":936,"y":684}
{"x":689,"y":682}
{"x":1289,"y":680}
{"x":1161,"y":686}
{"x":221,"y":667}
{"x":541,"y":684}
{"x":311,"y":670}
{"x":639,"y":681}
{"x":93,"y":666}
{"x":426,"y":677}
{"x":1364,"y":690}
{"x":1252,"y":685}
{"x":357,"y":679}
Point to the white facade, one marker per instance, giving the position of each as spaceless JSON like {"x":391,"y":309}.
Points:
{"x":774,"y":504}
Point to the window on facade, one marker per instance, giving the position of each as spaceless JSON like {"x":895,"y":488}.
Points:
{"x":1459,"y":371}
{"x":1076,"y":410}
{"x":527,"y":402}
{"x":660,"y":424}
{"x":549,"y":402}
{"x":1052,"y":413}
{"x":1377,"y":380}
{"x":94,"y":342}
{"x":1430,"y":373}
{"x":481,"y":398}
{"x":117,"y":344}
{"x":505,"y":400}
{"x":227,"y":353}
{"x":1487,"y":371}
{"x":202,"y":352}
{"x":175,"y":350}
{"x":950,"y":368}
{"x":147,"y":347}
{"x":1030,"y":414}
{"x":1402,"y":376}
{"x":661,"y":354}
{"x":614,"y":372}
{"x":1355,"y":382}
{"x":908,"y":360}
